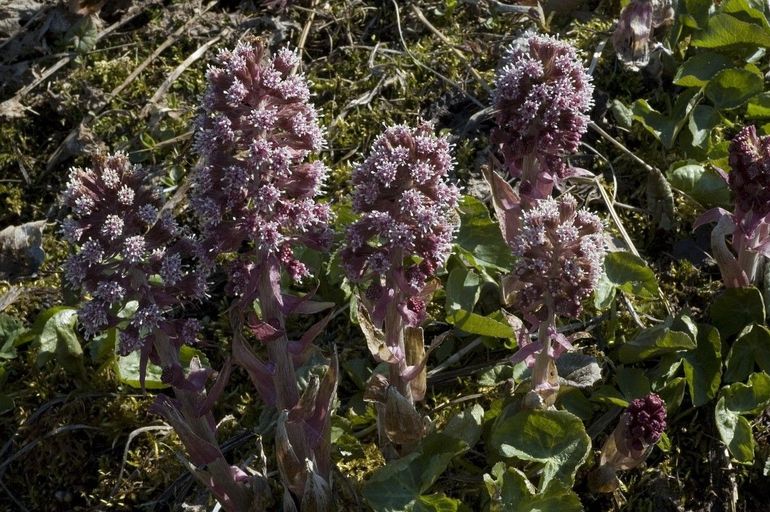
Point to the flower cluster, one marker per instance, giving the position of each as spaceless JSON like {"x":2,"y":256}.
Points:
{"x":645,"y":421}
{"x":560,"y":251}
{"x":130,"y":250}
{"x":748,"y":226}
{"x":541,"y":99}
{"x":640,"y":427}
{"x":750,"y":177}
{"x":407,"y":214}
{"x":255,"y":134}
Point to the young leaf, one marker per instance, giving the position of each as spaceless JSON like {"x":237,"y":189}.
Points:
{"x":751,"y":348}
{"x":703,"y":366}
{"x":479,"y":237}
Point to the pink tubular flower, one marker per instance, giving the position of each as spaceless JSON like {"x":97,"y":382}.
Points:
{"x":255,"y":134}
{"x":407,"y":217}
{"x":124,"y":239}
{"x":561,"y":252}
{"x":541,"y":99}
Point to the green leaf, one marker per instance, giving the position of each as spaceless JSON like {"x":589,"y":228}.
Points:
{"x":401,"y":484}
{"x":698,"y":70}
{"x":733,"y":87}
{"x":630,"y":274}
{"x":703,"y":185}
{"x":511,"y":491}
{"x":59,"y":340}
{"x":556,"y":439}
{"x":734,"y":401}
{"x":474,"y":323}
{"x":127,"y":368}
{"x":436,"y":503}
{"x":735,"y":431}
{"x":6,"y":403}
{"x":633,"y":383}
{"x":673,"y":393}
{"x":463,"y":289}
{"x":654,"y":341}
{"x":752,"y":347}
{"x":10,"y":329}
{"x":759,"y":106}
{"x":666,"y":127}
{"x":83,"y":35}
{"x":479,"y":237}
{"x":724,"y":30}
{"x":703,"y":366}
{"x":736,"y":308}
{"x":702,"y":121}
{"x":749,"y":398}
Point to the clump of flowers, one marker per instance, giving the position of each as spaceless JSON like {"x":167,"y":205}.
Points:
{"x":255,"y":199}
{"x":125,"y":239}
{"x":255,"y":134}
{"x":640,"y":427}
{"x":560,"y":251}
{"x":407,"y":218}
{"x":402,"y":238}
{"x":541,"y":99}
{"x":131,"y":251}
{"x":749,"y":223}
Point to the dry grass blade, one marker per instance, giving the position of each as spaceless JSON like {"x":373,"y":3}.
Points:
{"x":179,"y":70}
{"x":131,"y":437}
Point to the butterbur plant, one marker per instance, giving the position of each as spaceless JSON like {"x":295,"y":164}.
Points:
{"x":541,"y":100}
{"x":640,"y":427}
{"x":255,"y":198}
{"x":131,"y":254}
{"x":560,"y":252}
{"x":403,"y":236}
{"x":748,"y":226}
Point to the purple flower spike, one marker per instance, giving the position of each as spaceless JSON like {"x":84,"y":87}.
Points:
{"x":541,"y":99}
{"x":750,"y":176}
{"x":255,"y":134}
{"x":640,"y":427}
{"x":645,"y":421}
{"x":121,"y":248}
{"x":407,"y":215}
{"x":561,"y":252}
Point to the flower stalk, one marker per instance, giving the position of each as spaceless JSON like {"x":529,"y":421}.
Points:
{"x":255,"y":199}
{"x":403,"y":236}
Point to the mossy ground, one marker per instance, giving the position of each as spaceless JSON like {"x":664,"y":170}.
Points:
{"x":371,"y":64}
